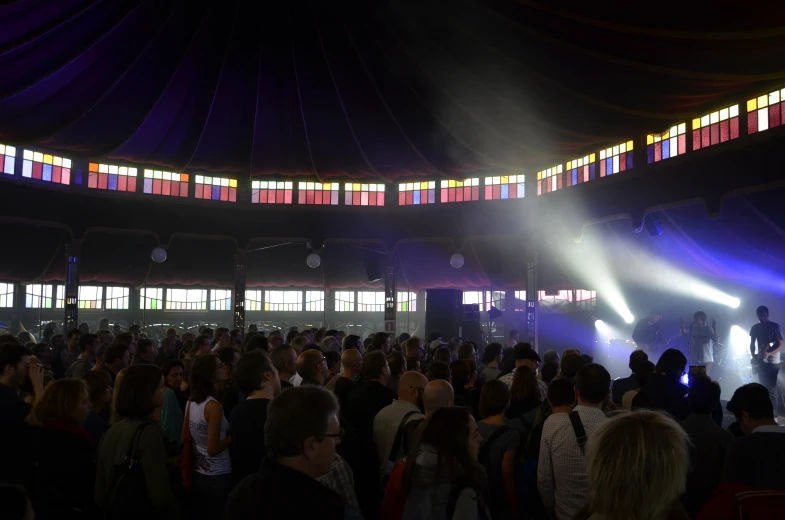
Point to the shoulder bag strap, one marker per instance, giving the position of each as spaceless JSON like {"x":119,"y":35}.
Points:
{"x":399,"y":438}
{"x":486,"y":446}
{"x":580,"y":432}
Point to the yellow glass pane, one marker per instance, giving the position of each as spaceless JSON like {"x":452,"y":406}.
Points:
{"x":649,"y":139}
{"x":629,"y":145}
{"x":592,"y":157}
{"x":569,"y":165}
{"x":425,"y":185}
{"x":232,"y":183}
{"x":539,"y":176}
{"x":696,"y":123}
{"x":356,"y":186}
{"x":763,"y":101}
{"x":505,"y":179}
{"x":451,"y":183}
{"x":752,"y":104}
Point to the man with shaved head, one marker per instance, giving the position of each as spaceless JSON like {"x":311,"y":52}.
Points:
{"x":312,"y":367}
{"x":438,"y":394}
{"x":390,"y":423}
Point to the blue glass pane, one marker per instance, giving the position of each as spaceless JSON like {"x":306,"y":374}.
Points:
{"x":592,"y":171}
{"x":666,"y":149}
{"x":78,"y":176}
{"x":148,"y":185}
{"x":46,"y":173}
{"x":650,"y":153}
{"x":574,"y":177}
{"x":505,"y":191}
{"x":216,"y":193}
{"x":629,"y":160}
{"x":112,"y":185}
{"x":431,"y":196}
{"x":609,"y":166}
{"x":416,"y":197}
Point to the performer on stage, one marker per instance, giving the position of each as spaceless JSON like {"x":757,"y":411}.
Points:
{"x":702,"y":339}
{"x":647,"y":331}
{"x":768,"y":336}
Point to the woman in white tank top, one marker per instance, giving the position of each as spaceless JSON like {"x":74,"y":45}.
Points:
{"x":209,"y":429}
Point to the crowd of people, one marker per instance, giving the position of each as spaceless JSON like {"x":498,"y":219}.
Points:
{"x":320,"y":424}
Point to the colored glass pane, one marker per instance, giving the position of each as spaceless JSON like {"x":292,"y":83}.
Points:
{"x":91,"y":297}
{"x":362,"y":194}
{"x":616,"y":159}
{"x":505,"y":187}
{"x":415,"y":193}
{"x":46,"y":167}
{"x":583,"y":169}
{"x":215,"y":188}
{"x":151,"y":298}
{"x":318,"y":193}
{"x":283,"y":301}
{"x":7,"y":159}
{"x":370,"y":301}
{"x":314,"y":301}
{"x":220,"y":300}
{"x":117,"y":297}
{"x":111,"y":177}
{"x":668,"y":144}
{"x":549,"y":180}
{"x":766,"y":111}
{"x":271,"y":192}
{"x":6,"y":295}
{"x":38,"y":296}
{"x":344,"y":301}
{"x":716,"y":127}
{"x":60,"y":297}
{"x":186,"y":299}
{"x":159,"y":182}
{"x":460,"y":191}
{"x":407,"y":301}
{"x":253,"y":300}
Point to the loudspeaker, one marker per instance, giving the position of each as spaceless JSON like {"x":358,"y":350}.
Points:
{"x":372,"y":271}
{"x":443,"y":313}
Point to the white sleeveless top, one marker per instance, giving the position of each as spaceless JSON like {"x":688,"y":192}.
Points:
{"x":203,"y":463}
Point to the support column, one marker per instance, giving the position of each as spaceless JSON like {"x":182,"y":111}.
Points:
{"x":532,"y":299}
{"x":73,"y":252}
{"x":390,"y":295}
{"x":240,"y":260}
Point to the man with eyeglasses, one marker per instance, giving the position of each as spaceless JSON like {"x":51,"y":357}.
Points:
{"x":301,"y":434}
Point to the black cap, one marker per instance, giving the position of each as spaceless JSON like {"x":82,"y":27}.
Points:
{"x":527,"y":353}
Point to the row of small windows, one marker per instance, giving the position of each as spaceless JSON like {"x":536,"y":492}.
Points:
{"x":763,"y":112}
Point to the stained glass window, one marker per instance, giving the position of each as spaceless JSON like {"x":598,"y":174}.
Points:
{"x":159,"y":182}
{"x":46,"y":167}
{"x":6,"y":295}
{"x":186,"y":299}
{"x":215,"y":188}
{"x":504,"y":187}
{"x":585,"y":300}
{"x":7,"y":158}
{"x":253,"y":300}
{"x":271,"y":192}
{"x":38,"y":296}
{"x":616,"y":159}
{"x":460,"y":191}
{"x":496,"y":298}
{"x":668,"y":144}
{"x":60,"y":297}
{"x":564,"y":295}
{"x":220,"y":300}
{"x":407,"y":301}
{"x":151,"y":298}
{"x":344,"y":301}
{"x":580,"y":170}
{"x":111,"y":177}
{"x":361,"y":194}
{"x":318,"y":193}
{"x":370,"y":301}
{"x":520,"y":301}
{"x":766,"y":111}
{"x":717,"y":127}
{"x":117,"y":297}
{"x":474,"y":297}
{"x":91,"y":297}
{"x":283,"y":301}
{"x":549,"y":180}
{"x":314,"y":301}
{"x":414,"y":193}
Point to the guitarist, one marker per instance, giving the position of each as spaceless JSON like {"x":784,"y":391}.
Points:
{"x":647,"y":332}
{"x":768,"y":336}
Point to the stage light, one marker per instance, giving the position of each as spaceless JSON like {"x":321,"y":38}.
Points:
{"x":629,"y":318}
{"x":714,"y":295}
{"x":739,"y":339}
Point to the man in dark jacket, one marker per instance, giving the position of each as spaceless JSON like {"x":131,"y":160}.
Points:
{"x":664,"y":390}
{"x":301,"y":433}
{"x":623,"y":385}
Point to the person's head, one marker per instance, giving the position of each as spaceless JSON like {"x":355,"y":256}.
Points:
{"x":302,"y":429}
{"x":171,"y":333}
{"x":704,"y":395}
{"x":561,"y":394}
{"x":460,"y":373}
{"x":644,"y":372}
{"x":571,"y":362}
{"x":284,"y":359}
{"x":467,"y":351}
{"x":48,"y":333}
{"x":411,"y":387}
{"x":351,"y":361}
{"x":655,"y":316}
{"x":493,"y":352}
{"x":413,"y":363}
{"x":763,"y":313}
{"x":202,"y":345}
{"x":72,"y":337}
{"x":254,"y":372}
{"x":751,"y":406}
{"x":25,"y":337}
{"x":256,"y":342}
{"x":253,"y":327}
{"x":135,"y":329}
{"x":442,"y":354}
{"x":524,"y":386}
{"x":375,"y":367}
{"x":207,"y":375}
{"x":700,"y":317}
{"x":312,"y":366}
{"x":104,"y":336}
{"x":452,"y":433}
{"x":99,"y":388}
{"x":550,"y":356}
{"x":592,"y":384}
{"x":333,"y":359}
{"x":84,"y":327}
{"x":637,"y":466}
{"x":549,"y":371}
{"x":14,"y":364}
{"x":14,"y":504}
{"x":103,"y":323}
{"x":207,"y":331}
{"x":513,"y":336}
{"x":381,"y":341}
{"x":413,"y":347}
{"x":139,"y":392}
{"x":437,"y":394}
{"x":229,"y":356}
{"x":636,"y":358}
{"x":276,"y":338}
{"x":397,"y":363}
{"x":117,"y":357}
{"x":222,"y":336}
{"x":173,"y":372}
{"x":330,"y":343}
{"x":58,"y":342}
{"x":126,"y":338}
{"x":352,"y":341}
{"x":672,"y":364}
{"x":44,"y":353}
{"x":145,"y":351}
{"x":300,"y":342}
{"x":494,"y":398}
{"x":63,"y":401}
{"x":525,"y":356}
{"x":438,"y":370}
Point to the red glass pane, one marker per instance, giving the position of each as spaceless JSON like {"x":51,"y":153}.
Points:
{"x":409,"y":198}
{"x":715,"y":133}
{"x":301,"y":197}
{"x":183,"y":189}
{"x":623,"y":161}
{"x":705,"y":137}
{"x":696,"y":139}
{"x":682,"y":144}
{"x":288,"y":197}
{"x":559,"y":181}
{"x":166,"y":188}
{"x":752,"y":122}
{"x":602,"y":168}
{"x":37,"y":166}
{"x":734,"y":128}
{"x":66,"y":176}
{"x":102,"y":180}
{"x":774,"y":116}
{"x":380,"y":198}
{"x":657,"y":151}
{"x":92,"y":180}
{"x":489,"y":193}
{"x":512,"y":192}
{"x":724,"y":131}
{"x":497,"y":191}
{"x":56,"y":174}
{"x":475,"y":193}
{"x":157,"y":186}
{"x":309,"y":197}
{"x":363,"y":198}
{"x":539,"y":187}
{"x":401,"y":198}
{"x":277,"y":196}
{"x":232,"y":194}
{"x":122,"y":183}
{"x":225,"y":193}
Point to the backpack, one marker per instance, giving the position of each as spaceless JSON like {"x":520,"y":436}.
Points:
{"x":126,"y":487}
{"x":496,"y":496}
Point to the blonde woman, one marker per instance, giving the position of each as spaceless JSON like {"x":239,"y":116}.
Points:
{"x":637,"y":467}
